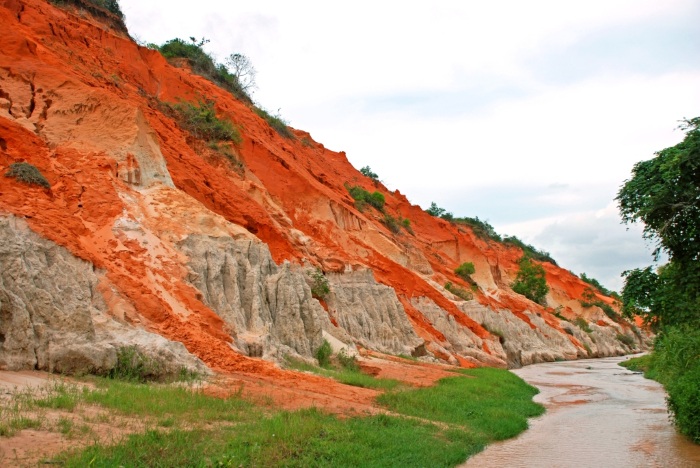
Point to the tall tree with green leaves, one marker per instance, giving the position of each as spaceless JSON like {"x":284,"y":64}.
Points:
{"x":664,"y":195}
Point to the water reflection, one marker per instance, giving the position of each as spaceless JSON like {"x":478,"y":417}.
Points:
{"x":598,"y":415}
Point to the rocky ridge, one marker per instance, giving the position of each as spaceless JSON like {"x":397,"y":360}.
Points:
{"x":148,"y":237}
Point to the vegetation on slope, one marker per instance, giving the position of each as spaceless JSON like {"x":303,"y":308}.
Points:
{"x":485,"y":231}
{"x":664,"y":194}
{"x":530,"y":280}
{"x":203,"y":64}
{"x":27,"y":174}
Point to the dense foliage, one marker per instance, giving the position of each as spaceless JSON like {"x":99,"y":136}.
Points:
{"x":664,"y":194}
{"x":530,"y":281}
{"x":675,"y":363}
{"x":362,"y":198}
{"x":465,"y":270}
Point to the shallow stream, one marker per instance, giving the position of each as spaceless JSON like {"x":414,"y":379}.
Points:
{"x":599,"y":414}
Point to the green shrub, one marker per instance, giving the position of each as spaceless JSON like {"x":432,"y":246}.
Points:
{"x":319,"y":284}
{"x":626,"y":340}
{"x":109,"y":5}
{"x":482,"y":229}
{"x":201,"y":121}
{"x":276,"y":122}
{"x":347,"y":361}
{"x":367,"y":172}
{"x":406,"y":223}
{"x":134,"y":366}
{"x":459,"y":292}
{"x":323,"y":354}
{"x":589,"y":299}
{"x":530,"y":250}
{"x":595,"y":283}
{"x":438,"y":212}
{"x":583,"y":324}
{"x":362,"y":196}
{"x":377,"y":200}
{"x":465,"y":270}
{"x":530,"y":281}
{"x":204,"y":65}
{"x":391,"y":223}
{"x":27,"y":174}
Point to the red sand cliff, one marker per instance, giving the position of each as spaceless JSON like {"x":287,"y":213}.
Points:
{"x":76,"y":92}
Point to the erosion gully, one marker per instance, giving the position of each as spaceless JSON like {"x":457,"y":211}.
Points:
{"x":598,"y":414}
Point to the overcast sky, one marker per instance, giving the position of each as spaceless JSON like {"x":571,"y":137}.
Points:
{"x":527,"y":114}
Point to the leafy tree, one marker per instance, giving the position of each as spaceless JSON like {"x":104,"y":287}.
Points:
{"x":664,"y":194}
{"x":465,"y":270}
{"x":435,"y":210}
{"x":530,"y":281}
{"x":367,"y":172}
{"x":438,"y":212}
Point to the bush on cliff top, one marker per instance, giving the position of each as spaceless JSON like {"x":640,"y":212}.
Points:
{"x":110,"y":5}
{"x":203,"y":64}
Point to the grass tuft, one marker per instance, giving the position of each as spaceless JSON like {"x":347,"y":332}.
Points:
{"x":27,"y":174}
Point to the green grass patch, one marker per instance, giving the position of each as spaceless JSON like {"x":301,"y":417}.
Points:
{"x":12,"y":425}
{"x":493,"y":403}
{"x":639,"y":364}
{"x":294,"y":439}
{"x":59,"y":395}
{"x":166,"y":401}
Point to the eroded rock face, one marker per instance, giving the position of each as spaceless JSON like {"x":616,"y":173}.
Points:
{"x":270,"y":309}
{"x":459,"y":339}
{"x":524,"y":344}
{"x":52,"y":316}
{"x":371,"y":313}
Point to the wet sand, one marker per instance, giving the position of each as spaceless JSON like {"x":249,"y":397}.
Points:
{"x":599,"y":414}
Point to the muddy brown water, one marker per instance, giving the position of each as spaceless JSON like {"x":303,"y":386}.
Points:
{"x":599,"y":414}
